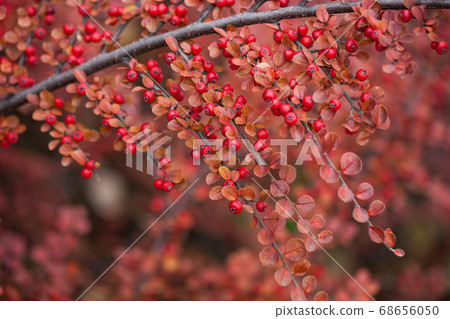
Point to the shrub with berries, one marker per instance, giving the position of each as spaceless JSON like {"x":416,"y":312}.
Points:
{"x":256,"y":77}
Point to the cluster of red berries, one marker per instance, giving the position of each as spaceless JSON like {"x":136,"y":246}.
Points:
{"x":86,"y":171}
{"x":224,"y":3}
{"x":161,"y":184}
{"x":441,"y":47}
{"x":10,"y":138}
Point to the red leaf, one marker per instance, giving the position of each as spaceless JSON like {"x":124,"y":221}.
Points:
{"x":389,"y":238}
{"x":309,"y":283}
{"x":295,"y":249}
{"x":345,"y":194}
{"x":329,"y":174}
{"x":321,"y":296}
{"x":350,"y":164}
{"x":297,"y":294}
{"x":399,"y":252}
{"x":302,"y":267}
{"x":172,"y":43}
{"x":279,"y":188}
{"x":376,"y":234}
{"x":288,"y":173}
{"x":268,"y":257}
{"x":364,"y":191}
{"x":305,"y":203}
{"x":325,"y":237}
{"x":360,"y":215}
{"x":266,"y":237}
{"x":322,"y":14}
{"x":376,"y":207}
{"x":285,"y":208}
{"x":283,"y":277}
{"x":318,"y":221}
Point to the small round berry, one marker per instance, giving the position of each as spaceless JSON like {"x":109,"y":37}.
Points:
{"x":119,"y":99}
{"x":284,"y":3}
{"x":368,"y":31}
{"x":105,"y":123}
{"x":31,"y":11}
{"x":198,"y":57}
{"x":77,"y":136}
{"x":260,"y":145}
{"x":442,"y":47}
{"x":58,"y":102}
{"x":318,"y":125}
{"x":269,"y":95}
{"x":306,"y":41}
{"x":366,"y":96}
{"x":330,"y":53}
{"x":197,"y":108}
{"x":233,"y":144}
{"x":148,"y":96}
{"x":264,"y":51}
{"x":81,"y":89}
{"x":151,"y":63}
{"x":121,"y":132}
{"x":285,"y":109}
{"x":405,"y":15}
{"x":375,"y":34}
{"x":251,"y":38}
{"x":40,"y":33}
{"x":86,"y":172}
{"x":261,"y":206}
{"x":235,"y":207}
{"x":209,"y":109}
{"x":308,"y":103}
{"x":278,"y":35}
{"x":207,"y":150}
{"x":90,"y":28}
{"x":77,"y":50}
{"x":68,"y":28}
{"x":162,"y":8}
{"x":83,"y":10}
{"x":153,"y":11}
{"x":208,"y":66}
{"x":113,"y":11}
{"x":243,"y":172}
{"x":131,"y":75}
{"x":361,"y":24}
{"x":288,"y":54}
{"x":226,"y":128}
{"x":12,"y":137}
{"x":196,"y":48}
{"x":130,"y":148}
{"x":362,"y":75}
{"x":69,"y":119}
{"x":212,"y":77}
{"x":335,"y":104}
{"x":290,"y":118}
{"x":167,"y":186}
{"x":262,"y":134}
{"x":254,"y":70}
{"x":30,"y":50}
{"x":157,"y":183}
{"x":174,"y":89}
{"x":200,"y":87}
{"x":292,"y":34}
{"x":317,"y":33}
{"x":312,"y":68}
{"x":180,"y":10}
{"x":90,"y":164}
{"x":208,"y":129}
{"x":32,"y":60}
{"x":351,"y":46}
{"x":65,"y":140}
{"x":302,"y":30}
{"x":172,"y":114}
{"x":175,"y":20}
{"x":222,"y":43}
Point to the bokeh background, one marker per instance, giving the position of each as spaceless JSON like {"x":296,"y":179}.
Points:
{"x":58,"y":232}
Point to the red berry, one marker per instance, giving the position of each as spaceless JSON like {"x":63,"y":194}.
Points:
{"x":243,"y":172}
{"x":278,"y":35}
{"x":318,"y":125}
{"x":208,"y":66}
{"x":368,"y":32}
{"x":306,"y":41}
{"x":121,"y":132}
{"x":49,"y":19}
{"x":32,"y":60}
{"x":162,"y":8}
{"x":379,"y":47}
{"x":264,"y":51}
{"x":180,"y":10}
{"x":209,"y":109}
{"x":58,"y":102}
{"x":330,"y":53}
{"x":362,"y":75}
{"x":262,"y":134}
{"x":366,"y":96}
{"x":284,"y":3}
{"x":130,"y":148}
{"x":290,"y":118}
{"x":292,"y":34}
{"x":261,"y":206}
{"x":200,"y":87}
{"x":212,"y":77}
{"x":167,"y":186}
{"x":77,"y":50}
{"x":131,"y":75}
{"x":153,"y":11}
{"x":268,"y":95}
{"x":30,"y":50}
{"x":68,"y":28}
{"x":148,"y":96}
{"x":317,"y":33}
{"x":69,"y":119}
{"x":31,"y":11}
{"x":308,"y":103}
{"x":351,"y":46}
{"x":226,"y":128}
{"x":175,"y":20}
{"x":302,"y":30}
{"x":90,"y":164}
{"x":12,"y":137}
{"x":312,"y":68}
{"x":157,"y":183}
{"x":233,"y":144}
{"x":361,"y":24}
{"x":288,"y":54}
{"x":90,"y":27}
{"x":260,"y":145}
{"x":96,"y":37}
{"x":156,"y":73}
{"x":83,"y":10}
{"x":174,"y":89}
{"x":86,"y":172}
{"x":77,"y":136}
{"x":375,"y":34}
{"x":442,"y":47}
{"x":40,"y":33}
{"x":151,"y":64}
{"x":222,"y":43}
{"x":285,"y":109}
{"x":251,"y":38}
{"x":119,"y":99}
{"x":207,"y":150}
{"x":65,"y":140}
{"x":235,"y":207}
{"x":335,"y":104}
{"x":405,"y":15}
{"x":113,"y":11}
{"x":105,"y":123}
{"x":172,"y":114}
{"x":230,"y":3}
{"x":196,"y":48}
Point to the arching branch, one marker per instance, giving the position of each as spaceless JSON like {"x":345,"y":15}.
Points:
{"x":105,"y":60}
